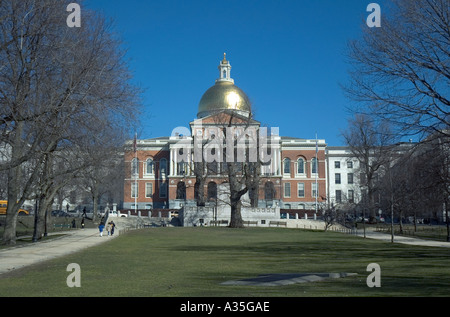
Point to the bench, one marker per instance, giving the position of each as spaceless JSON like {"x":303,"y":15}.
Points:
{"x":248,"y":223}
{"x":218,"y":222}
{"x":278,"y":223}
{"x":56,"y":226}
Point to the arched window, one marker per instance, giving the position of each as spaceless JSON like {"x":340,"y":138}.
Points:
{"x":286,"y":166}
{"x":269,"y":191}
{"x":212,"y":191}
{"x":224,"y":74}
{"x":181,"y":190}
{"x":149,"y":166}
{"x":314,"y":166}
{"x":182,"y":168}
{"x":135,"y":167}
{"x":163,"y":166}
{"x":300,"y":166}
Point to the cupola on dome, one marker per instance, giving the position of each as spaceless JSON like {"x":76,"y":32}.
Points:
{"x":224,"y":95}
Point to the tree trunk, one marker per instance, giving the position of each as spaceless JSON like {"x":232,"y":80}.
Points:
{"x":9,"y":235}
{"x":236,"y":217}
{"x":95,"y":195}
{"x":41,"y":218}
{"x":401,"y":221}
{"x":447,"y":221}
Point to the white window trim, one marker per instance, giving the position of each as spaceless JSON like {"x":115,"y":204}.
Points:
{"x":133,"y":171}
{"x":298,"y":196}
{"x":136,"y":185}
{"x":297,"y":174}
{"x":311,"y":165}
{"x":284,"y":190}
{"x":312,"y":190}
{"x":146,"y":190}
{"x":146,"y":173}
{"x":290,"y":167}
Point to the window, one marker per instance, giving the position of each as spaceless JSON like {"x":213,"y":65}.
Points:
{"x":269,"y":191}
{"x":149,"y":166}
{"x":301,"y":190}
{"x":148,"y":190}
{"x":212,"y":191}
{"x":314,"y":187}
{"x":314,"y":166}
{"x":300,"y":166}
{"x":287,"y":189}
{"x":287,"y":166}
{"x":351,"y":197}
{"x":349,"y":164}
{"x":181,"y":190}
{"x":135,"y":167}
{"x":182,"y":168}
{"x":337,"y":164}
{"x":338,"y":196}
{"x":163,"y":166}
{"x":163,"y":190}
{"x":337,"y":178}
{"x":350,"y":178}
{"x":134,"y":190}
{"x":148,"y":206}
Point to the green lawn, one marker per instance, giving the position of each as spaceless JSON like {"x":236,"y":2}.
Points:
{"x":194,"y":261}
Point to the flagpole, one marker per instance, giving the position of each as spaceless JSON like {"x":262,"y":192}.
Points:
{"x":135,"y":174}
{"x":317,"y":171}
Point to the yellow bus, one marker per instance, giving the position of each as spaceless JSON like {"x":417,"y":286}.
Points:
{"x":4,"y":204}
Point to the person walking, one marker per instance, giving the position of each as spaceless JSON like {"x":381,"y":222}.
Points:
{"x":113,"y":225}
{"x":100,"y":228}
{"x":108,"y":228}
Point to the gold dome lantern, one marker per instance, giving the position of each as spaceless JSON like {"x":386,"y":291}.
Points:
{"x":224,"y":95}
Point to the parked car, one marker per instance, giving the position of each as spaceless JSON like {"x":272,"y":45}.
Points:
{"x":59,"y":213}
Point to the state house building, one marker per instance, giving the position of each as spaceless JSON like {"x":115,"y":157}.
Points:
{"x":160,"y":172}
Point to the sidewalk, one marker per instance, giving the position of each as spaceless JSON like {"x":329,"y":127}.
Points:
{"x":402,"y":239}
{"x":73,"y":241}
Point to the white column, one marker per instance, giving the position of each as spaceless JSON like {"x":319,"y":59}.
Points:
{"x":175,"y":162}
{"x":171,"y":161}
{"x":279,"y":164}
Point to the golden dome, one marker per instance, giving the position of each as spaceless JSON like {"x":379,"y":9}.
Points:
{"x":224,"y":95}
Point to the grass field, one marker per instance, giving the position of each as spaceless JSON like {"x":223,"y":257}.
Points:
{"x":194,"y":261}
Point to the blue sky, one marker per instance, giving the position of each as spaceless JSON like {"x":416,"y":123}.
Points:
{"x":287,"y":55}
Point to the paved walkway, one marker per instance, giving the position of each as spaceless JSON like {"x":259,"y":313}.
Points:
{"x":402,"y":239}
{"x":74,"y":240}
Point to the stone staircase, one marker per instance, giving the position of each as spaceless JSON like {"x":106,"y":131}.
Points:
{"x":133,"y":222}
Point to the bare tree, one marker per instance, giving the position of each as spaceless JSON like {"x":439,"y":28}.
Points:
{"x":415,"y":183}
{"x":239,"y":168}
{"x":401,"y":70}
{"x":59,"y":87}
{"x":371,"y":144}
